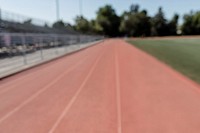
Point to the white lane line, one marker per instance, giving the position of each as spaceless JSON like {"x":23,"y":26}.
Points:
{"x":117,"y":79}
{"x":69,"y":105}
{"x":10,"y":85}
{"x":39,"y":92}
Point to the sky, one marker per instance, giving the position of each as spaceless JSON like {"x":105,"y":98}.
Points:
{"x":46,"y":9}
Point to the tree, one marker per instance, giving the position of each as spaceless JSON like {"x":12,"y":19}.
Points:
{"x":196,"y":23}
{"x":107,"y":21}
{"x":159,"y":24}
{"x":135,"y":22}
{"x":82,"y":24}
{"x":172,"y":25}
{"x":93,"y":27}
{"x":69,"y":27}
{"x":191,"y":24}
{"x":59,"y":25}
{"x":28,"y":22}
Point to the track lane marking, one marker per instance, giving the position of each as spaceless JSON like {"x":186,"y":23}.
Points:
{"x":13,"y":85}
{"x":69,"y":105}
{"x":39,"y":92}
{"x":118,"y":98}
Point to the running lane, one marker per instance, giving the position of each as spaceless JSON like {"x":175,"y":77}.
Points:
{"x":109,"y":88}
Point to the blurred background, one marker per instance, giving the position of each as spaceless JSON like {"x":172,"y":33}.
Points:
{"x":32,"y":31}
{"x":105,"y":17}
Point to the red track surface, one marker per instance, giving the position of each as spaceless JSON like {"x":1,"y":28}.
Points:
{"x":109,"y":88}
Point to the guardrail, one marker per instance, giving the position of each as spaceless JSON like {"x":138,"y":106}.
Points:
{"x":18,"y":49}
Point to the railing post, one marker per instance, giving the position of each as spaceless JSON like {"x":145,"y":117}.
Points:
{"x":41,"y":48}
{"x":66,"y":43}
{"x":24,"y":50}
{"x":56,"y":43}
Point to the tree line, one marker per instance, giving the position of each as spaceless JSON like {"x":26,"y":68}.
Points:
{"x":134,"y":22}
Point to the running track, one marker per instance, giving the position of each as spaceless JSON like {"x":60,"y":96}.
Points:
{"x":111,"y":87}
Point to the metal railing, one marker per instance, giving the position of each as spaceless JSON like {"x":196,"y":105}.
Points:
{"x":18,"y":49}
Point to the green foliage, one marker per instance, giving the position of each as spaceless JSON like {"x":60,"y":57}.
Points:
{"x":159,"y":24}
{"x":191,"y":25}
{"x":62,"y":25}
{"x":135,"y":22}
{"x":59,"y":25}
{"x":172,"y":25}
{"x":82,"y":24}
{"x":138,"y":23}
{"x":162,"y":27}
{"x":107,"y":21}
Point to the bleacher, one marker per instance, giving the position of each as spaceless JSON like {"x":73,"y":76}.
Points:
{"x":19,"y":35}
{"x":7,"y":26}
{"x":15,"y":23}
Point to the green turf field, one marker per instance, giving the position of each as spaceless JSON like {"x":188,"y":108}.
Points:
{"x":181,"y":54}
